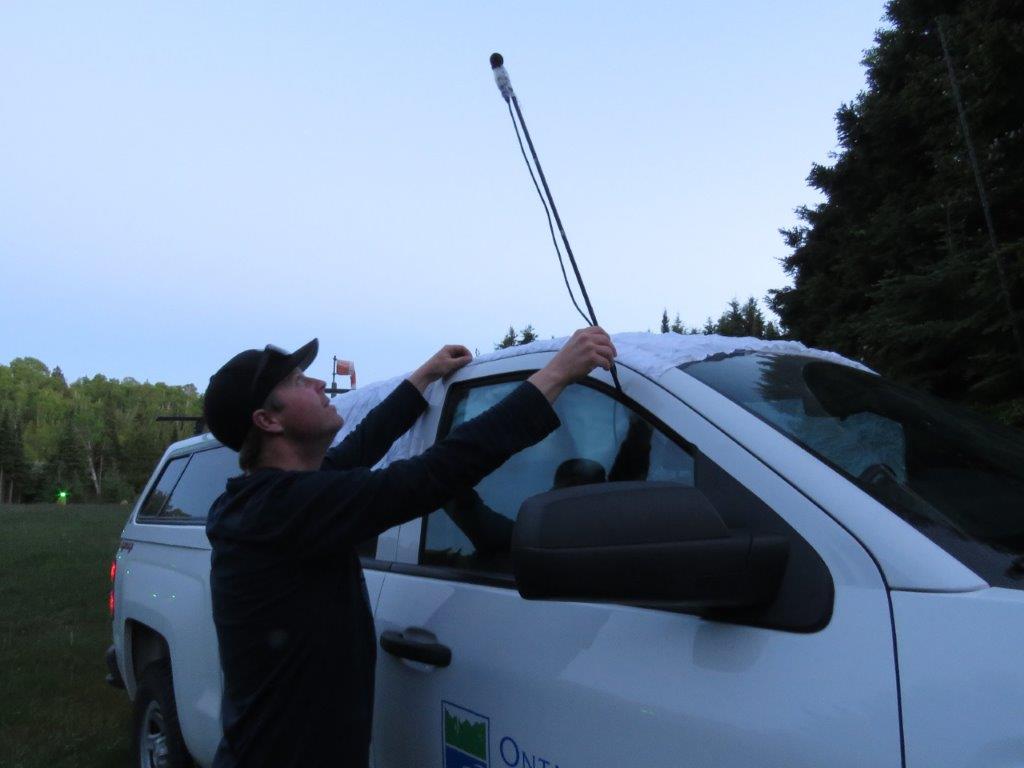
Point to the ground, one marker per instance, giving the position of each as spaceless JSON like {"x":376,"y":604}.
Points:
{"x":56,"y":711}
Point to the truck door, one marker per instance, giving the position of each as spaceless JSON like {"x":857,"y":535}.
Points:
{"x":503,"y":682}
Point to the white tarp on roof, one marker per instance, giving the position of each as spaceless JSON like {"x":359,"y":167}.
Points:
{"x":654,"y":353}
{"x":651,"y":354}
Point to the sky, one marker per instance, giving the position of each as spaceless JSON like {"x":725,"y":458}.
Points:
{"x":182,"y":181}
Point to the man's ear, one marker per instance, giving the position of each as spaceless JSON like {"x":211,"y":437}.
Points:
{"x":267,"y":421}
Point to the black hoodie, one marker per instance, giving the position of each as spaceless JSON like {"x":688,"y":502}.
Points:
{"x":294,"y":625}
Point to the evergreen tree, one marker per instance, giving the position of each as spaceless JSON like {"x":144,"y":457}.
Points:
{"x":508,"y":341}
{"x":664,"y":321}
{"x":732,"y":322}
{"x":737,"y":320}
{"x":895,"y":267}
{"x":512,"y":339}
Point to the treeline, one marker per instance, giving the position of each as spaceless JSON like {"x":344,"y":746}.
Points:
{"x":745,"y":319}
{"x":96,"y":439}
{"x":737,"y":319}
{"x":902,"y":266}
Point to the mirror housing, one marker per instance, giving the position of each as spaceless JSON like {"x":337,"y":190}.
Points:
{"x":653,"y":544}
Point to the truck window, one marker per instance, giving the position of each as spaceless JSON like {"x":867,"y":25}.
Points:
{"x":956,"y":477}
{"x":202,"y":481}
{"x":161,"y":492}
{"x":600,"y":440}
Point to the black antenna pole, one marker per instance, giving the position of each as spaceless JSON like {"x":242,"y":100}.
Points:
{"x":554,"y":211}
{"x":505,"y":86}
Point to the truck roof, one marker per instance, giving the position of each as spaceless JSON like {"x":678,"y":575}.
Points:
{"x":650,"y":354}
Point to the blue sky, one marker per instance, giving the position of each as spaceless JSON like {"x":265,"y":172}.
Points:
{"x":181,"y":181}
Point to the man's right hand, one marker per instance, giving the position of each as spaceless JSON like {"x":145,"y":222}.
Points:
{"x":585,"y":350}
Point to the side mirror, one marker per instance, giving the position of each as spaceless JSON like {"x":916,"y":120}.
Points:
{"x":653,"y":544}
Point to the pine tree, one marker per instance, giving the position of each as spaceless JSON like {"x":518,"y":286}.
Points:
{"x":508,"y":341}
{"x":895,"y":267}
{"x":664,"y":321}
{"x":753,"y":319}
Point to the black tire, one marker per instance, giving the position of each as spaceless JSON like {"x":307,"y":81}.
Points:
{"x":156,"y":735}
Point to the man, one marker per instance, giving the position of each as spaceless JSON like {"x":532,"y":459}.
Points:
{"x":294,"y":626}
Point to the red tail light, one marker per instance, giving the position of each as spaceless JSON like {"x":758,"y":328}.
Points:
{"x":110,"y":597}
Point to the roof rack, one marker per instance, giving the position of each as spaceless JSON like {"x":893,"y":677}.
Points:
{"x":200,"y":422}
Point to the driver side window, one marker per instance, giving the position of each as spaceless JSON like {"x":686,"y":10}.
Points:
{"x":600,"y":440}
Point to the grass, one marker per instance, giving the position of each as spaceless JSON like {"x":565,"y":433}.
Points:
{"x":56,"y":710}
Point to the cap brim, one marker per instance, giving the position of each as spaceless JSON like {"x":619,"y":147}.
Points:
{"x":279,"y":368}
{"x":304,"y":356}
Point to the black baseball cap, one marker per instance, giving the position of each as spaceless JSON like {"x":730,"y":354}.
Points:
{"x":242,"y":385}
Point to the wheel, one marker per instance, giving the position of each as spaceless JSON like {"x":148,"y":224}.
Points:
{"x":156,"y":736}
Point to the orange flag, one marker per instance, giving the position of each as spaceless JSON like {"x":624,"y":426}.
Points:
{"x":346,"y":368}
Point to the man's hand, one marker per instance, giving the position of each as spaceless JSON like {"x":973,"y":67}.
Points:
{"x":585,"y":350}
{"x":446,"y":361}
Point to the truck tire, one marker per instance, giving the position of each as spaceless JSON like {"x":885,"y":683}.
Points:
{"x":156,"y":736}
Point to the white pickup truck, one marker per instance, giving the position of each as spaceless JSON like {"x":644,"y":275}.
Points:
{"x":756,"y":555}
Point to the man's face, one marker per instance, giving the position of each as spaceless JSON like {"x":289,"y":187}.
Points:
{"x":306,"y":412}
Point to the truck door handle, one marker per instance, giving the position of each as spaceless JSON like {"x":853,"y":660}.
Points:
{"x":416,"y":645}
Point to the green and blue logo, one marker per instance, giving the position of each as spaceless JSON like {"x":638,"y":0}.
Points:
{"x":466,"y":736}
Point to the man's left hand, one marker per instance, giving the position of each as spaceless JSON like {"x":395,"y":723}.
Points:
{"x":450,"y":358}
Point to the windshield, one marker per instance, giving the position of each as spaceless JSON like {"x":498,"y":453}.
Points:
{"x":955,"y":476}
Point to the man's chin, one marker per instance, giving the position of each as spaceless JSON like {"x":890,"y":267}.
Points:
{"x":334,"y":429}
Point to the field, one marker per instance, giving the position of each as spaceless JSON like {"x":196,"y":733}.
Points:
{"x":55,"y":708}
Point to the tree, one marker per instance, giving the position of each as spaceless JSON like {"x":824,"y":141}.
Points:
{"x":97,"y":437}
{"x":511,"y":339}
{"x":664,"y":321}
{"x":508,"y":341}
{"x":737,"y":320}
{"x":895,"y":267}
{"x":12,"y":460}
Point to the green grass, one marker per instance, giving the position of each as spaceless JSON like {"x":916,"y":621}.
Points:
{"x":55,"y":708}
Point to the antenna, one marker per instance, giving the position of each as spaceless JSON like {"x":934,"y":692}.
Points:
{"x":505,"y":88}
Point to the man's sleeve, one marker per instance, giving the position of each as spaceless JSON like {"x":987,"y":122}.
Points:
{"x":367,"y":443}
{"x":333,"y":510}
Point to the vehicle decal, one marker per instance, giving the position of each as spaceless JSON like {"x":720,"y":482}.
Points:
{"x":466,"y":735}
{"x":466,"y":738}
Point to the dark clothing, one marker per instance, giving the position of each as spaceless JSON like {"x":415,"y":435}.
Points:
{"x":294,"y":625}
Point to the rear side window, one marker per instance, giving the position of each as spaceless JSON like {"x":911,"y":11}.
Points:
{"x":184,"y":495}
{"x":162,"y":490}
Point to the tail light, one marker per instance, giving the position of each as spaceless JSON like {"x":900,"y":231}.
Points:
{"x":124,"y":546}
{"x":110,"y":597}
